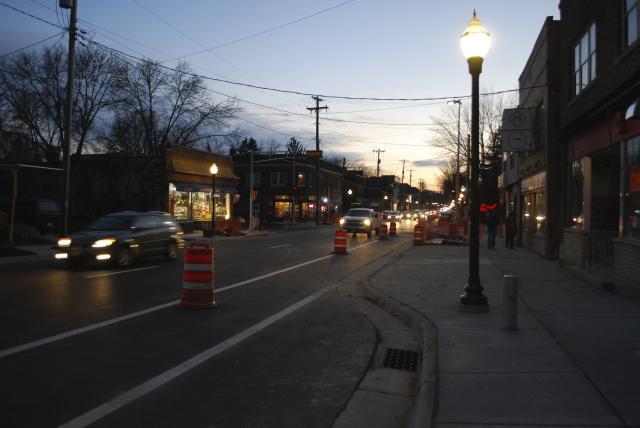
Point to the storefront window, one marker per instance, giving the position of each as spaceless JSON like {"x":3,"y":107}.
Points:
{"x":179,"y":205}
{"x":632,"y":202}
{"x":282,"y":209}
{"x":201,"y":206}
{"x":534,"y":212}
{"x":576,"y":198}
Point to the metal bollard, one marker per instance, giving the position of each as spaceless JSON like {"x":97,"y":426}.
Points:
{"x":510,"y":303}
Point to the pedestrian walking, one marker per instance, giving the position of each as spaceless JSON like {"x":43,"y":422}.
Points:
{"x":511,"y":230}
{"x":492,"y":227}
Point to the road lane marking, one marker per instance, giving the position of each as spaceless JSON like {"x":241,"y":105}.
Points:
{"x":81,"y":330}
{"x":156,"y":382}
{"x":280,"y":246}
{"x":120,"y":271}
{"x":85,"y":329}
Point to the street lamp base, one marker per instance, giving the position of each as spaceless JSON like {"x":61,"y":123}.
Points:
{"x":473,"y":303}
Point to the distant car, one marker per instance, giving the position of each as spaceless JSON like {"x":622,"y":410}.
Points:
{"x":390,"y":215}
{"x":121,"y":237}
{"x":361,"y":220}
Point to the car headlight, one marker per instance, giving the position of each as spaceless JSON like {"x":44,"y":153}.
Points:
{"x":64,"y":242}
{"x":101,"y":243}
{"x":342,"y":221}
{"x":367,"y":222}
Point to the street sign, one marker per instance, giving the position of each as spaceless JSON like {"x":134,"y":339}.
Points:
{"x":314,"y":153}
{"x":517,"y":127}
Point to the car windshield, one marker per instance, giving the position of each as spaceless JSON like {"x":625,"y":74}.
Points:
{"x":359,"y":213}
{"x":111,"y":222}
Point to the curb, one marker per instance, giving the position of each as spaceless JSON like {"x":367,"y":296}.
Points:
{"x":426,"y":389}
{"x":24,"y":259}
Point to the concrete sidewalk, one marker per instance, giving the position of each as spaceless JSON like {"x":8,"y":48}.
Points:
{"x":574,"y":362}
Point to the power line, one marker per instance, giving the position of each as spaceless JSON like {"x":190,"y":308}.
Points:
{"x":248,"y":85}
{"x":31,"y":45}
{"x":15,"y":9}
{"x":259,"y":33}
{"x":286,"y":91}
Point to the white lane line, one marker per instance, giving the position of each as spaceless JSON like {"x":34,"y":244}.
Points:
{"x":280,"y":246}
{"x":81,"y":330}
{"x":120,"y":271}
{"x":85,"y":329}
{"x":156,"y":382}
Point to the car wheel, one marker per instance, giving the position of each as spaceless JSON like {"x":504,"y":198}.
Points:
{"x":172,"y":251}
{"x":123,"y":257}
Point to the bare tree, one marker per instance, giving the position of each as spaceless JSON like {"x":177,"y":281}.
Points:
{"x":170,"y":108}
{"x":445,"y":134}
{"x":295,"y":147}
{"x":98,"y":84}
{"x":32,"y":88}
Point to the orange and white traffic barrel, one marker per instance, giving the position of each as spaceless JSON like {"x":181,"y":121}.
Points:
{"x":383,"y":231}
{"x":418,"y":235}
{"x":197,"y":278}
{"x":340,"y":243}
{"x":392,"y":229}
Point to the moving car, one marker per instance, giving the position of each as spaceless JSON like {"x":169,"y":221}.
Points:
{"x":390,"y":215}
{"x":361,"y":220}
{"x":122,"y":237}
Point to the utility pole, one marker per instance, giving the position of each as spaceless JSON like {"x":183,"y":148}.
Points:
{"x":402,"y":199}
{"x":68,"y":110}
{"x":317,"y":109}
{"x":410,"y":176}
{"x":378,"y":151}
{"x":251,"y":191}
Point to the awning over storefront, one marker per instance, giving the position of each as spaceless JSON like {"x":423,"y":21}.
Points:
{"x":195,"y":187}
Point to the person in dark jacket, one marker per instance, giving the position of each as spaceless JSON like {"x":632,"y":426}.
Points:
{"x":492,"y":227}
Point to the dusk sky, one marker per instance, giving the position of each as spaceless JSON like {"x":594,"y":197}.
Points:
{"x":355,"y":48}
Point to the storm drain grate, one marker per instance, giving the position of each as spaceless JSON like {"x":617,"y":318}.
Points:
{"x":401,"y":360}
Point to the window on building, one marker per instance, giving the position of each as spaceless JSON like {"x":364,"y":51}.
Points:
{"x":300,"y":178}
{"x":278,"y":179}
{"x":632,"y":202}
{"x":584,"y":65}
{"x":631,"y":21}
{"x":576,"y":196}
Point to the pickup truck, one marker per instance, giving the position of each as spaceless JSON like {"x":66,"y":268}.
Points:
{"x":361,"y":220}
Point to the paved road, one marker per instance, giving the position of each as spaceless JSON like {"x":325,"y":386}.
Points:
{"x":283,"y":348}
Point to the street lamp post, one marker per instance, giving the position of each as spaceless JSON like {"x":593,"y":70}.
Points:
{"x":213,"y":170}
{"x":474,"y":42}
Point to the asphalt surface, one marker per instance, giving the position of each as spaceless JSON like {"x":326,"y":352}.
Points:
{"x":283,"y":348}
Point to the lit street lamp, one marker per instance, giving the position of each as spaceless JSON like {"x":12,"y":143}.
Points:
{"x":213,"y":170}
{"x":474,"y":42}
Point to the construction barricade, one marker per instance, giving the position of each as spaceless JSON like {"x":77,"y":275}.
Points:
{"x":340,"y":243}
{"x":197,"y":278}
{"x":392,"y":229}
{"x":418,"y":234}
{"x":383,"y":232}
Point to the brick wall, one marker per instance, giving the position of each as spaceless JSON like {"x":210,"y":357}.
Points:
{"x":627,"y":267}
{"x":575,"y":247}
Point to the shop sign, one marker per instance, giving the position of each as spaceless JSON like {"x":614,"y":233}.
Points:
{"x":314,"y":154}
{"x":486,"y":207}
{"x":517,"y":130}
{"x":634,"y":180}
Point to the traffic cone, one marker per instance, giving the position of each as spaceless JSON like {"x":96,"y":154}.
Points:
{"x":418,"y":235}
{"x":340,"y":243}
{"x":197,"y":278}
{"x":392,"y":229}
{"x":383,"y":232}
